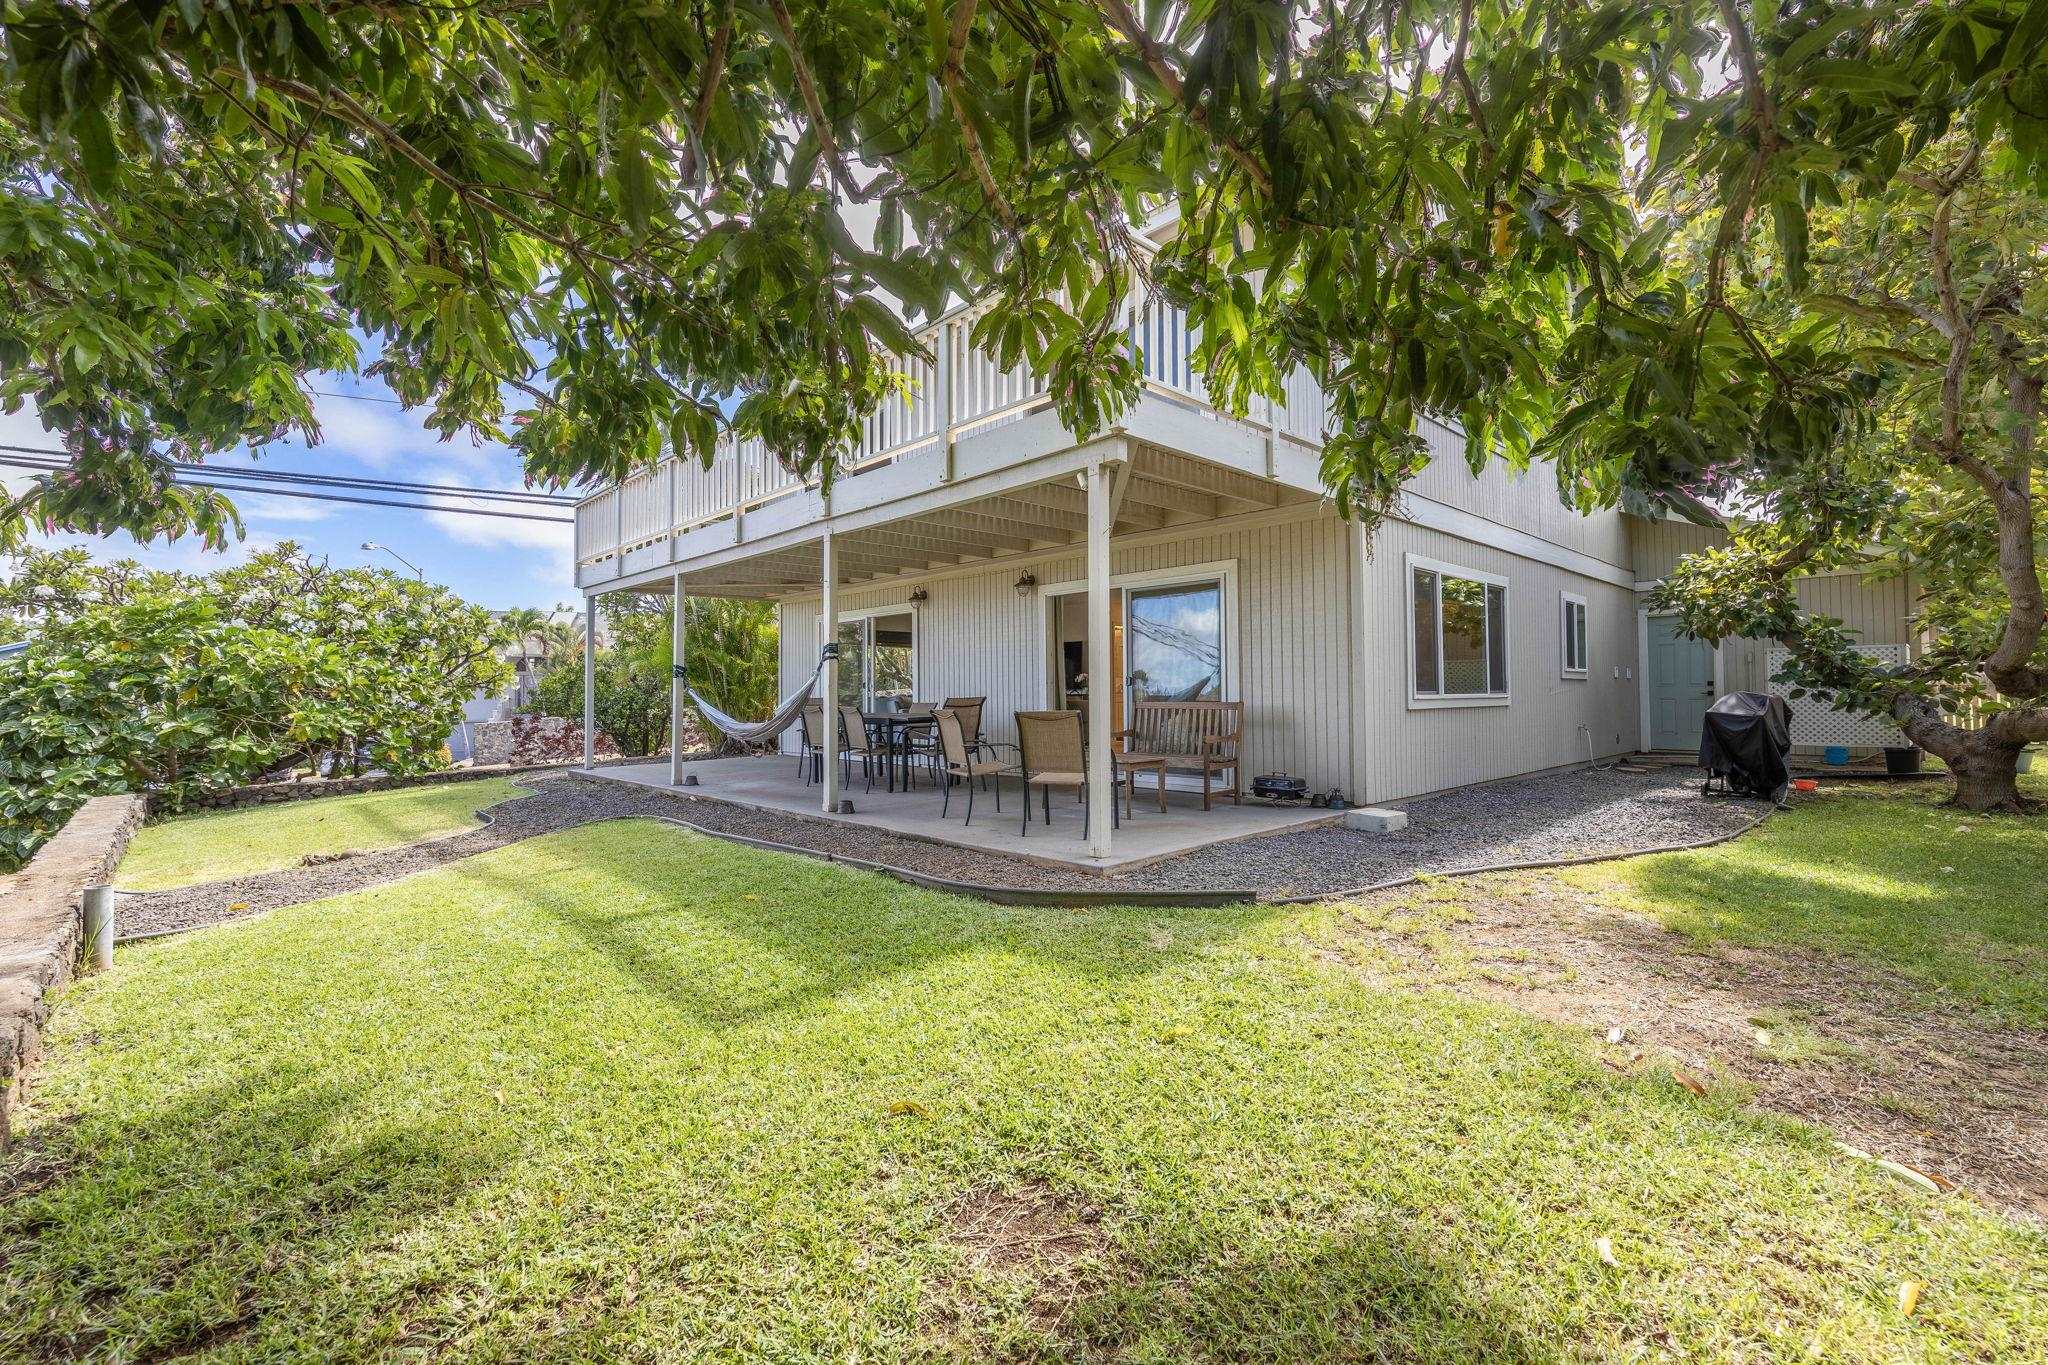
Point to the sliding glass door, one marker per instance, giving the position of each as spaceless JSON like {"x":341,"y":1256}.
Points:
{"x":878,"y":660}
{"x":1168,"y":641}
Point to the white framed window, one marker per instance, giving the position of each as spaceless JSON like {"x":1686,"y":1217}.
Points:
{"x":1571,"y":634}
{"x":1457,"y":636}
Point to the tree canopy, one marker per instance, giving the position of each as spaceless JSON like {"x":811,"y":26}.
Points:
{"x":1585,"y":230}
{"x":144,"y":680}
{"x":602,"y":216}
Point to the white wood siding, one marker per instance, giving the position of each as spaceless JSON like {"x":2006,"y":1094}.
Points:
{"x":1527,"y":501}
{"x":1409,"y":752}
{"x":1658,"y":545}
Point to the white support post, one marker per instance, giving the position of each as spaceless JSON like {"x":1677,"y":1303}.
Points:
{"x":1358,"y":580}
{"x":828,"y":615}
{"x":589,"y":680}
{"x":678,"y":699}
{"x":1101,"y":792}
{"x":1272,"y":426}
{"x":942,"y":399}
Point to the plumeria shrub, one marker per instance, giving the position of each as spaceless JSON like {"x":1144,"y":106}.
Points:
{"x":171,"y":684}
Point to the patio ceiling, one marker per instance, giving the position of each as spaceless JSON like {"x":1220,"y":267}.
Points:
{"x":1162,"y":489}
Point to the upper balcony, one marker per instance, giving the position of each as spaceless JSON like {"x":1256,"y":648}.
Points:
{"x":962,"y":420}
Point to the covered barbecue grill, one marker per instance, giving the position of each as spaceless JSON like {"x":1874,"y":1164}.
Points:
{"x":1746,"y":742}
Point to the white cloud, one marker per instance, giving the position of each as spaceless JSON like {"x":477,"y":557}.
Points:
{"x":372,"y":434}
{"x":256,"y":507}
{"x":25,"y":428}
{"x":551,"y":544}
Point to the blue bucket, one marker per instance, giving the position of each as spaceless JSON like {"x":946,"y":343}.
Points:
{"x":1837,"y":755}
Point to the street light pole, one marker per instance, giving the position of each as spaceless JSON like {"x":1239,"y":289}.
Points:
{"x":373,"y":545}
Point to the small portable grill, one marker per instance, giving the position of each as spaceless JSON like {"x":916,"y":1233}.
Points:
{"x":1280,"y":787}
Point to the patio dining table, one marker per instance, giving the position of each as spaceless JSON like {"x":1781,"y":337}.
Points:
{"x":893,"y":728}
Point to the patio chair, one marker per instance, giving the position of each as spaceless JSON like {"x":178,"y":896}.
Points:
{"x":811,"y":755}
{"x":958,"y":760}
{"x":920,"y":744}
{"x":969,"y":710}
{"x":855,"y":743}
{"x":1050,"y":755}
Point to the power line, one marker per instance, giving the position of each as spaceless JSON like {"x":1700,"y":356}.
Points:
{"x":335,"y":480}
{"x":20,"y":462}
{"x":361,"y":481}
{"x":359,"y":397}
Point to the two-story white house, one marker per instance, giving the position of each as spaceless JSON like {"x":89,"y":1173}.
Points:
{"x":973,"y":546}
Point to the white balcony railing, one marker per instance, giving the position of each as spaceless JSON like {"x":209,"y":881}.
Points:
{"x":960,"y":390}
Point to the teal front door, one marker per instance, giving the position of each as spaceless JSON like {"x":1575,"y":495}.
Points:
{"x":1681,"y":685}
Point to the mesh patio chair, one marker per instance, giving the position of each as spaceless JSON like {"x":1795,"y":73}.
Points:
{"x":855,"y":743}
{"x":957,"y":760}
{"x":921,"y":743}
{"x":810,"y":734}
{"x":1050,"y":754}
{"x":969,"y":710}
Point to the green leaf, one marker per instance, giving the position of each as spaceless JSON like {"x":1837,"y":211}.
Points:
{"x":885,"y":326}
{"x":1860,"y":76}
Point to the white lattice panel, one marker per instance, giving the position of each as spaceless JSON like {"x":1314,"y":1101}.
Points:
{"x":1817,"y":725}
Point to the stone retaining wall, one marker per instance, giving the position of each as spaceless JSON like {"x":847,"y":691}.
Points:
{"x":534,"y":739}
{"x":40,"y":928}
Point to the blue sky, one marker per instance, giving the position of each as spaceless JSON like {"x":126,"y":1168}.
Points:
{"x":494,"y":562}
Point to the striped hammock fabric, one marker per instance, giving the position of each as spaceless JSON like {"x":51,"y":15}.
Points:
{"x":758,"y":732}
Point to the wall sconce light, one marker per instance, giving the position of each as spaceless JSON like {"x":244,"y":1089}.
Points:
{"x":920,"y":595}
{"x":1026,"y":581}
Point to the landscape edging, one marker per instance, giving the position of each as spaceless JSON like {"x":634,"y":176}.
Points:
{"x":41,"y":928}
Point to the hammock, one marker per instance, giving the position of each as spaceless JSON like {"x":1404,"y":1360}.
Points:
{"x":758,"y":732}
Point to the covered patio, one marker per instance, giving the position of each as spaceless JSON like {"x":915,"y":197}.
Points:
{"x":772,"y":783}
{"x":1023,"y":494}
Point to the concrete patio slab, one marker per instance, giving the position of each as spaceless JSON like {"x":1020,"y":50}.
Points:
{"x":1147,"y":835}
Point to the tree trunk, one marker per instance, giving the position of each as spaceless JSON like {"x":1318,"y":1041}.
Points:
{"x":1985,"y":762}
{"x":1987,"y":773}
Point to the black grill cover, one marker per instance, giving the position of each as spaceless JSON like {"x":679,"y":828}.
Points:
{"x":1747,"y":742}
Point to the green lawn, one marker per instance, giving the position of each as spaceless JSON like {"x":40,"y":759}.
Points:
{"x":218,"y":845}
{"x":1887,"y":874}
{"x":629,"y":1092}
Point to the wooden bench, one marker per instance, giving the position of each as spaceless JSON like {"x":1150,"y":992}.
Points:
{"x":1189,"y":736}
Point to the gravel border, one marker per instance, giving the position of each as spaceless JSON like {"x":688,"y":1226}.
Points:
{"x":1577,"y":815}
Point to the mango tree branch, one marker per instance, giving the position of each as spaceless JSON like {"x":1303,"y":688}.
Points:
{"x":1763,"y":119}
{"x":700,"y":111}
{"x":1120,"y":18}
{"x":970,"y":138}
{"x":345,"y":106}
{"x":814,"y":107}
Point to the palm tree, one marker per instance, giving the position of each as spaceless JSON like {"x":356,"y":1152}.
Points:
{"x":557,"y":638}
{"x":524,"y":623}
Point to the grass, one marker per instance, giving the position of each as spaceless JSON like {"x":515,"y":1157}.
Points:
{"x":1885,"y":874}
{"x":629,"y":1092}
{"x":221,"y":844}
